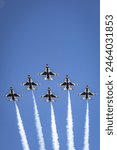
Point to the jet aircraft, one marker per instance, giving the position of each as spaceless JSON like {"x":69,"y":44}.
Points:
{"x":48,"y":73}
{"x":30,"y":84}
{"x":12,"y":95}
{"x":49,"y":96}
{"x":87,"y":93}
{"x":67,"y":83}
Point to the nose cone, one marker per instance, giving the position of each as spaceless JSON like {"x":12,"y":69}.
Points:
{"x":46,"y":65}
{"x":48,"y":88}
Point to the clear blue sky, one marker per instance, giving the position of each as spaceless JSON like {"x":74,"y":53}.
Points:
{"x":64,"y":34}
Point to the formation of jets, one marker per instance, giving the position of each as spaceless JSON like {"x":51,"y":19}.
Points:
{"x":49,"y":96}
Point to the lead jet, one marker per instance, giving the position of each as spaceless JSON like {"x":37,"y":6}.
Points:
{"x":12,"y":95}
{"x":48,"y":73}
{"x":67,"y":83}
{"x":30,"y":84}
{"x":87,"y":93}
{"x":49,"y":96}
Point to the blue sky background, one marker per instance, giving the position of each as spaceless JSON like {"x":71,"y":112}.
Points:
{"x":64,"y":34}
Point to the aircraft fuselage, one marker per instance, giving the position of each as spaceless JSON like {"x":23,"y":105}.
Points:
{"x":30,"y":83}
{"x":48,"y":74}
{"x":67,"y":84}
{"x":49,"y":94}
{"x":12,"y":94}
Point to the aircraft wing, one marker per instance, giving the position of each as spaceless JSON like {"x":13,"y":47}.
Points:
{"x":33,"y":83}
{"x":83,"y":94}
{"x":9,"y":95}
{"x":71,"y":83}
{"x":26,"y":84}
{"x":43,"y":73}
{"x":92,"y":94}
{"x":16,"y":95}
{"x":63,"y":84}
{"x":45,"y":96}
{"x":52,"y":73}
{"x":53,"y":96}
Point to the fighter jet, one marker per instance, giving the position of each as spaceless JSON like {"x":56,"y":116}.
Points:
{"x":12,"y":95}
{"x":49,"y":96}
{"x":48,"y":73}
{"x":67,"y":83}
{"x":30,"y":84}
{"x":87,"y":94}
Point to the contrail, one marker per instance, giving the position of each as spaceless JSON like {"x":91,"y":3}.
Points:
{"x":22,"y":133}
{"x":69,"y":127}
{"x":86,"y":134}
{"x":38,"y":126}
{"x":55,"y":137}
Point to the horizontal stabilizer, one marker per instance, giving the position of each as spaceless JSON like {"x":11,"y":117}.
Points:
{"x":48,"y":78}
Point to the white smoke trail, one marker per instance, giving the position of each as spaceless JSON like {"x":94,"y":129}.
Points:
{"x":69,"y":127}
{"x":22,"y":133}
{"x":55,"y":137}
{"x":38,"y":126}
{"x":86,"y":134}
